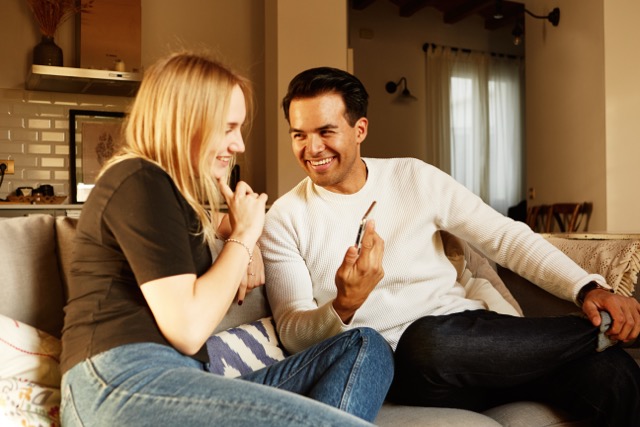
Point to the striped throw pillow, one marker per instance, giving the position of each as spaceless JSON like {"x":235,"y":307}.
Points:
{"x":245,"y":348}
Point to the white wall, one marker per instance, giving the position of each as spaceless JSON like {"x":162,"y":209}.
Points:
{"x":565,"y":102}
{"x":387,"y":47}
{"x":582,"y":104}
{"x":622,"y":108}
{"x":300,"y":35}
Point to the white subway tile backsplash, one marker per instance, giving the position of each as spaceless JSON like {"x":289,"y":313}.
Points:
{"x":42,"y":175}
{"x":61,"y":175}
{"x":39,"y":124}
{"x":8,"y":148}
{"x":53,"y":136}
{"x":52,"y":162}
{"x":26,"y":110}
{"x":34,"y":133}
{"x":26,"y":161}
{"x":61,"y":149}
{"x":38,"y":97}
{"x":11,"y":122}
{"x":23,"y":135}
{"x":51,"y":111}
{"x":61,"y":124}
{"x":39,"y":149}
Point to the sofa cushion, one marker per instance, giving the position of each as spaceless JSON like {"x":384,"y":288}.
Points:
{"x":254,"y":307}
{"x":479,"y":278}
{"x":533,"y":414}
{"x":244,"y":349}
{"x":31,"y":290}
{"x":415,"y":416}
{"x":28,"y":353}
{"x":25,"y":403}
{"x":65,"y":233}
{"x":29,"y":376}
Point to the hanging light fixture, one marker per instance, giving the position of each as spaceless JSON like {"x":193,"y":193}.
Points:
{"x":497,"y":14}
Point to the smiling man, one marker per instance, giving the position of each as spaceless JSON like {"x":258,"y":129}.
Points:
{"x":450,"y":349}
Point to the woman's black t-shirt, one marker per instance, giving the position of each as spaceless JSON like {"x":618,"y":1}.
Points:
{"x":135,"y":227}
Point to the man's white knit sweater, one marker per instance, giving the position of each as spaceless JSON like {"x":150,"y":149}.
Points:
{"x":309,"y":229}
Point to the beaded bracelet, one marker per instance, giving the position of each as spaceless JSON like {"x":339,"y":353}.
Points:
{"x":244,"y":246}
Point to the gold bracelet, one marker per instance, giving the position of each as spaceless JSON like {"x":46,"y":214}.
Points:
{"x":244,"y":246}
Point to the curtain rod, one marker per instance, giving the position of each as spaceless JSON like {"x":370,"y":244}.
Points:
{"x":426,"y":47}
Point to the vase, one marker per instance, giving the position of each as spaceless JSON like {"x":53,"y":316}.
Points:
{"x":47,"y":52}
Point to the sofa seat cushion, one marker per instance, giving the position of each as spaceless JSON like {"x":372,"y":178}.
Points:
{"x":533,"y":414}
{"x":393,"y":415}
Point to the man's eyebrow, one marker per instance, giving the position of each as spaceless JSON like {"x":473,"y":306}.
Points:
{"x":320,"y":129}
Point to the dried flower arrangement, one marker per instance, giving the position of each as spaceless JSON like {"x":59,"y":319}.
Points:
{"x":50,"y":14}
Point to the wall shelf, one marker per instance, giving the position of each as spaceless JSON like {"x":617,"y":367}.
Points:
{"x":82,"y":80}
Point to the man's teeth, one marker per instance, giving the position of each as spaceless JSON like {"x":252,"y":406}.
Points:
{"x":320,"y":162}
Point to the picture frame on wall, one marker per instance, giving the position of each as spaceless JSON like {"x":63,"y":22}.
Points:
{"x":94,"y":136}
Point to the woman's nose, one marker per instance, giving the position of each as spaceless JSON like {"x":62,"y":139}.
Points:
{"x":237,"y":145}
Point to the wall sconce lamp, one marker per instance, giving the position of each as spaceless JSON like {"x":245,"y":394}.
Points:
{"x":518,"y":29}
{"x":391,"y":87}
{"x":553,"y":16}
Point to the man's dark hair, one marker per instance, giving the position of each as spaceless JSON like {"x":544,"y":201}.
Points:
{"x":323,"y":80}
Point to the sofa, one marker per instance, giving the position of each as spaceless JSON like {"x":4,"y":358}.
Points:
{"x":34,"y":258}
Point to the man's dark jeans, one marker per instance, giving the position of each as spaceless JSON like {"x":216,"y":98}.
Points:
{"x":480,"y":359}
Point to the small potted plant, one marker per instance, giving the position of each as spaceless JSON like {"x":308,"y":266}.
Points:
{"x":50,"y":14}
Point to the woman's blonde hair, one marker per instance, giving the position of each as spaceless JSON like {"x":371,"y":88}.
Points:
{"x":180,"y":109}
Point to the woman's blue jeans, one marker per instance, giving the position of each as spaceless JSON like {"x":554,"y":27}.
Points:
{"x":480,"y":359}
{"x":151,"y":384}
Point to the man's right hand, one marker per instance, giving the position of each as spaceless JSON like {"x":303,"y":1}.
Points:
{"x":359,"y":274}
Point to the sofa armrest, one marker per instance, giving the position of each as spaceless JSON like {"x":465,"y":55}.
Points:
{"x":534,"y":301}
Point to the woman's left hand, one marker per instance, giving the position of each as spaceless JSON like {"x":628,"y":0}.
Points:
{"x":254,"y":276}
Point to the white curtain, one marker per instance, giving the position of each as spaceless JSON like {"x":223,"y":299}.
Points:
{"x":474,"y":119}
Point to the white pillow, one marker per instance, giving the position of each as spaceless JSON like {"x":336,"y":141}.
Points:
{"x":244,"y":349}
{"x":28,"y":353}
{"x":25,"y":403}
{"x":29,"y":376}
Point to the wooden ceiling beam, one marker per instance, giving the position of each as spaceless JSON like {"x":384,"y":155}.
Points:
{"x":465,"y":10}
{"x":512,"y":11}
{"x":361,"y":4}
{"x":408,"y":8}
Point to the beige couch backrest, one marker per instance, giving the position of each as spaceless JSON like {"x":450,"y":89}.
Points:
{"x":31,"y":289}
{"x":35,"y":254}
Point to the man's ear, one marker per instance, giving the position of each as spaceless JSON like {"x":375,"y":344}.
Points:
{"x":361,"y":127}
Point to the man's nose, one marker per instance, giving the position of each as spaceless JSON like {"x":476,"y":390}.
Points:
{"x":315,"y":144}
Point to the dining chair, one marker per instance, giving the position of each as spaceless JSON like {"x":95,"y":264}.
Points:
{"x":539,"y":218}
{"x":568,"y":216}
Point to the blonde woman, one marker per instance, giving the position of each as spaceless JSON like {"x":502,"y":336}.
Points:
{"x":145,"y":292}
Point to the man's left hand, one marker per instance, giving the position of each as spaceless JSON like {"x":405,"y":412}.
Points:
{"x":625,"y":312}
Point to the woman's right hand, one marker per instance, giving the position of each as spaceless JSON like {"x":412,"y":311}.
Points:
{"x":246,"y":211}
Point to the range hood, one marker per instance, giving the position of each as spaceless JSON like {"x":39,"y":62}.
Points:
{"x":83,"y":80}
